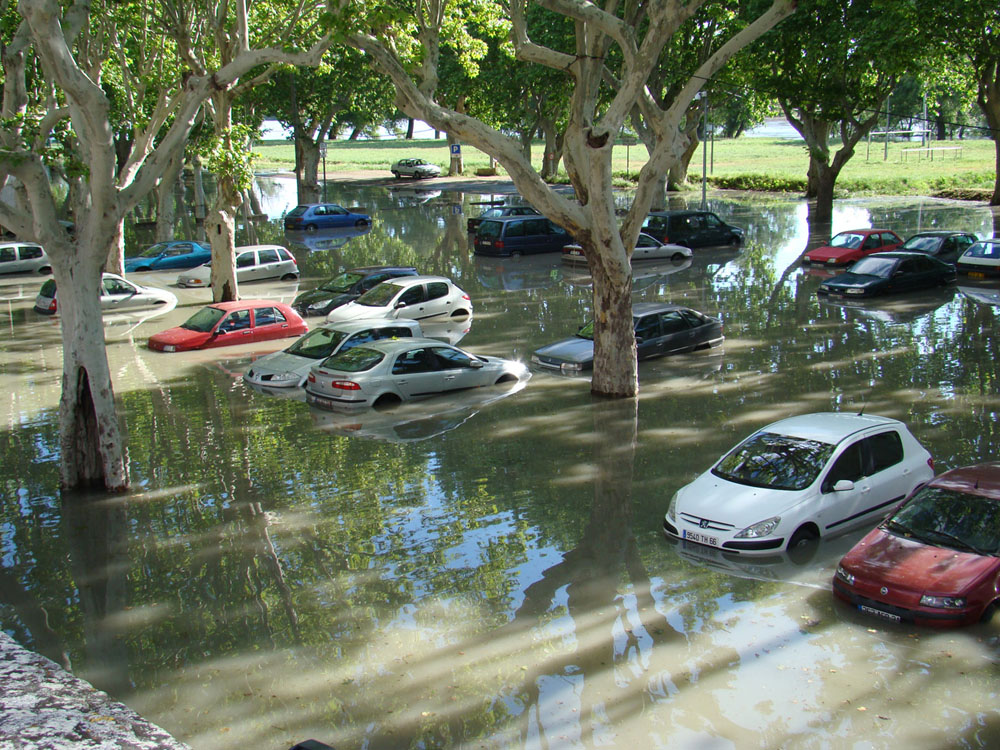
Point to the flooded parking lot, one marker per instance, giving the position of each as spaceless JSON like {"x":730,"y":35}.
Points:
{"x":490,"y":572}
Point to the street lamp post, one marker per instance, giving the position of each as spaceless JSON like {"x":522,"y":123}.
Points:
{"x":322,"y":153}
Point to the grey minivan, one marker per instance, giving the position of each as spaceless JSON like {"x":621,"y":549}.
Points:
{"x":519,"y":235}
{"x":23,"y":257}
{"x":691,"y":228}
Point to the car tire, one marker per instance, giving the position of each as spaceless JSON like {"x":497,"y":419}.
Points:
{"x":802,"y":546}
{"x":143,"y":269}
{"x":45,"y":270}
{"x":988,"y":613}
{"x":290,"y":277}
{"x":735,"y":241}
{"x":459,"y":313}
{"x":387,"y":401}
{"x":505,"y":378}
{"x":361,"y":223}
{"x":515,"y":254}
{"x":677,"y":257}
{"x":396,"y":175}
{"x":310,"y":227}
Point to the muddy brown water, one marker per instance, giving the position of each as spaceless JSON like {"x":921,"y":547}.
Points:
{"x":489,"y":572}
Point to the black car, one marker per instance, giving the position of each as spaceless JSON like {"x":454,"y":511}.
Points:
{"x":660,"y":329}
{"x":514,"y":236}
{"x":886,"y":273}
{"x":497,"y":211}
{"x":942,"y":244}
{"x":691,"y":229}
{"x":345,"y":288}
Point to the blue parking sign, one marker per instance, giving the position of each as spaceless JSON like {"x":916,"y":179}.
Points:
{"x":456,"y":149}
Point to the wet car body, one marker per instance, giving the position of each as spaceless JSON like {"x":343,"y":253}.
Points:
{"x":290,"y":367}
{"x":691,"y":228}
{"x":388,"y":372}
{"x":117,"y":294}
{"x":253,"y":263}
{"x":851,"y":245}
{"x":173,"y":254}
{"x":498,"y":211}
{"x":310,"y":217}
{"x":888,"y":273}
{"x":23,"y":257}
{"x":231,"y":324}
{"x":797,"y":480}
{"x":660,"y":329}
{"x":982,"y":260}
{"x":414,"y":167}
{"x":942,"y":244}
{"x":647,"y":248}
{"x":936,"y":560}
{"x":346,"y":287}
{"x":417,"y":297}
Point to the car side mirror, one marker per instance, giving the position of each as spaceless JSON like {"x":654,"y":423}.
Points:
{"x":400,"y":304}
{"x":843,"y":485}
{"x":476,"y":364}
{"x":639,"y":339}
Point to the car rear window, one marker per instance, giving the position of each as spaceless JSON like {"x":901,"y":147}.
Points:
{"x":298,"y":211}
{"x":779,"y":462}
{"x":490,"y":229}
{"x":984,"y":250}
{"x":355,"y":359}
{"x":48,"y":289}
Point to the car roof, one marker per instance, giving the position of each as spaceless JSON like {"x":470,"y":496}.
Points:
{"x":679,"y":212}
{"x":18,"y":243}
{"x":358,"y":324}
{"x":865,"y":230}
{"x":937,"y":233}
{"x":899,"y":254}
{"x":828,"y":427}
{"x":241,"y":248}
{"x":645,"y":308}
{"x":391,"y":346}
{"x":978,"y":479}
{"x":410,"y":280}
{"x":377,"y":269}
{"x":241,"y":304}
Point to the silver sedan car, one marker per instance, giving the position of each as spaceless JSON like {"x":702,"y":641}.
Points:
{"x":384,"y":373}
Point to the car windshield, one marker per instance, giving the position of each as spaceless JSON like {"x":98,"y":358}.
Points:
{"x":342,"y":283}
{"x":984,"y":250}
{"x":949,"y":518}
{"x":355,"y":359}
{"x":379,"y":296}
{"x":317,"y":343}
{"x":778,"y":462}
{"x":153,"y":250}
{"x":874,"y":266}
{"x":848,"y":240}
{"x":586,"y":330}
{"x":204,"y":320}
{"x":298,"y":211}
{"x":922,"y":243}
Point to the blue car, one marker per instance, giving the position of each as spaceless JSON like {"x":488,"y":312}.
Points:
{"x":313,"y":216}
{"x":171,"y":254}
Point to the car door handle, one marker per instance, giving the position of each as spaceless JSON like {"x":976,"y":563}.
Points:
{"x":246,"y":333}
{"x":449,"y":377}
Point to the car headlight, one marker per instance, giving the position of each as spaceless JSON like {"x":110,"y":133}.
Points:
{"x":317,"y":306}
{"x":843,"y":575}
{"x":855,"y":291}
{"x":284,"y":377}
{"x":672,"y":509}
{"x":808,"y":259}
{"x":824,"y":287}
{"x":942,"y":602}
{"x":759,"y":529}
{"x":571,"y":367}
{"x":169,"y":348}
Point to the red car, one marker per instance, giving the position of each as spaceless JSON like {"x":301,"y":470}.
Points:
{"x":847,"y":247}
{"x":231,"y":323}
{"x":934,"y":561}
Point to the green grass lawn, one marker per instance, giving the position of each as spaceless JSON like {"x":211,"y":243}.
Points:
{"x":740,"y":163}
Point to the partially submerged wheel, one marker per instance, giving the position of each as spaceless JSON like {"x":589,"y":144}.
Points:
{"x":677,"y":256}
{"x":803,"y":544}
{"x":289,"y":277}
{"x":386,"y":401}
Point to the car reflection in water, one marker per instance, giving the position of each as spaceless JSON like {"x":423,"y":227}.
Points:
{"x":412,"y":421}
{"x":516,"y":274}
{"x":983,"y":295}
{"x":644,"y":275}
{"x":323,"y":239}
{"x":900,"y":310}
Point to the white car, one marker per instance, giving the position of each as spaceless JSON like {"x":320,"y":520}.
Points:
{"x":418,"y":297}
{"x":290,"y":367}
{"x":414,"y":168}
{"x":253,"y":263}
{"x":23,"y":257}
{"x":800,"y":479}
{"x":647,"y":247}
{"x":982,"y":260}
{"x":387,"y":372}
{"x":117,"y":293}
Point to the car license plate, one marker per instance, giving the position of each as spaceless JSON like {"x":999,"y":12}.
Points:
{"x":879,"y":613}
{"x":320,"y":401}
{"x":977,"y":275}
{"x":575,"y":252}
{"x":694,"y":536}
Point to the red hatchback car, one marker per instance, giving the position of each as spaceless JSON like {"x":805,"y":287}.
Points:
{"x":934,"y":561}
{"x":231,"y":323}
{"x":847,"y":247}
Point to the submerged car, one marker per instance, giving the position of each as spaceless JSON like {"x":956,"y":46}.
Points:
{"x":692,"y":228}
{"x":417,"y":168}
{"x":245,"y":321}
{"x":886,"y":273}
{"x":23,"y":257}
{"x":253,"y":263}
{"x":311,"y":217}
{"x":982,"y":260}
{"x":418,"y":297}
{"x":346,"y":287}
{"x":170,"y":255}
{"x":647,"y":247}
{"x":117,"y":293}
{"x":800,"y":479}
{"x":847,"y":247}
{"x":942,"y":244}
{"x":936,"y":559}
{"x":660,"y":329}
{"x":498,"y":211}
{"x":290,"y":367}
{"x":387,"y":372}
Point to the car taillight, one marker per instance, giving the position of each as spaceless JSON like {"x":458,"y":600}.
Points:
{"x":345,"y":385}
{"x":930,"y":462}
{"x":497,"y":243}
{"x":312,"y":378}
{"x":52,"y":305}
{"x":467,"y":297}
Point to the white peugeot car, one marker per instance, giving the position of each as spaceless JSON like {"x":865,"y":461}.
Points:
{"x":417,"y":297}
{"x":800,"y":479}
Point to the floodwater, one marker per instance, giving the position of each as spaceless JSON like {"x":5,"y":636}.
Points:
{"x":489,"y":572}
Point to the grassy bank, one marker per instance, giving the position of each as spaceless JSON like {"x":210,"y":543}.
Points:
{"x":952,"y":167}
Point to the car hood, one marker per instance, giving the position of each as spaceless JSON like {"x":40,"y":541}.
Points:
{"x":282,"y":361}
{"x":354,"y":311}
{"x":178,"y":336}
{"x":334,"y":299}
{"x":203,"y":272}
{"x":730,"y":502}
{"x":854,"y":279}
{"x":826,"y":252}
{"x":575,"y":349}
{"x":907,"y":563}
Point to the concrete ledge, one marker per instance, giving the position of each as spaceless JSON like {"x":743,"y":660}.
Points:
{"x":45,"y":707}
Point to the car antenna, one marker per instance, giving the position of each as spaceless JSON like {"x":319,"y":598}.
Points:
{"x":864,"y":404}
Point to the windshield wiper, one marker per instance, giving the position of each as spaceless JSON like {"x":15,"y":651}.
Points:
{"x":961,"y":543}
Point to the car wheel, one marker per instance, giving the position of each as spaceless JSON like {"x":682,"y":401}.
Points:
{"x":735,"y":241}
{"x":988,"y":613}
{"x":802,"y":546}
{"x":361,"y":223}
{"x":45,"y":270}
{"x":459,"y":313}
{"x":310,"y":227}
{"x":386,"y":401}
{"x":289,"y":277}
{"x":505,"y":378}
{"x":515,"y":254}
{"x":396,"y":175}
{"x":143,"y":269}
{"x":677,"y":257}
